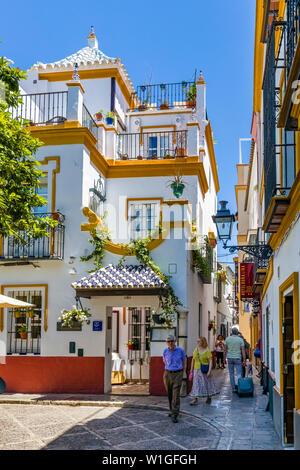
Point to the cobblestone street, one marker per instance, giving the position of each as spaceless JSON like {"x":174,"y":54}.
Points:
{"x":53,"y":422}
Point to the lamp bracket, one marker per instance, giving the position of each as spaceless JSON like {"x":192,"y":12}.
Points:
{"x":260,"y":250}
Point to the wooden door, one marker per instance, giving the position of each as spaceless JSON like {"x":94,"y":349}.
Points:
{"x":288,"y":370}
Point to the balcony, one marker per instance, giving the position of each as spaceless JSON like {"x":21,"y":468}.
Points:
{"x":152,"y":145}
{"x":164,"y":96}
{"x":203,"y":260}
{"x":42,"y":108}
{"x":47,"y":247}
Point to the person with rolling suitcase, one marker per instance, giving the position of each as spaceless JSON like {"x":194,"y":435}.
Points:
{"x":245,"y":386}
{"x":234,"y":351}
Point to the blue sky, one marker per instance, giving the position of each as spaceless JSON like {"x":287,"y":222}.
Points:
{"x":165,"y":40}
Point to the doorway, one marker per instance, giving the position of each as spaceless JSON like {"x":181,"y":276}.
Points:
{"x":130,"y":368}
{"x":288,"y":369}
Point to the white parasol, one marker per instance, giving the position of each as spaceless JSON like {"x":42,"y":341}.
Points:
{"x":6,"y":302}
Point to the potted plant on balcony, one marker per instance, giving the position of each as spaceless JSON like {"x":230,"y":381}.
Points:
{"x":177,"y":185}
{"x":68,"y":317}
{"x":57,"y":215}
{"x":110,"y":118}
{"x":222,"y":274}
{"x":191,"y":97}
{"x":99,"y":115}
{"x":139,"y":157}
{"x":164,"y":105}
{"x":124,"y":156}
{"x":23,"y":331}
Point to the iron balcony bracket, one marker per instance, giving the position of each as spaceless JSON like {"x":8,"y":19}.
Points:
{"x":260,"y":251}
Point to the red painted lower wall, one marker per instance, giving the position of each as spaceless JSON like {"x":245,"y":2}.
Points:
{"x":156,"y":384}
{"x":53,"y":374}
{"x":157,"y":368}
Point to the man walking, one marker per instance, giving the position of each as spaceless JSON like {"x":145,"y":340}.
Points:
{"x":234,"y":350}
{"x":175,"y":365}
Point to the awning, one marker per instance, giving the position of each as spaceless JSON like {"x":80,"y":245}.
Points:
{"x":115,"y":280}
{"x":6,"y":302}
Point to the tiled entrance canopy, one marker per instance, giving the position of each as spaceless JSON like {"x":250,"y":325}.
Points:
{"x":126,"y":277}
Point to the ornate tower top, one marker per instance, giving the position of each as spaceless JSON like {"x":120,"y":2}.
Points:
{"x":200,"y":80}
{"x":92,"y":40}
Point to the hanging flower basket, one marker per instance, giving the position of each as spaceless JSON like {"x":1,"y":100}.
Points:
{"x":68,"y":317}
{"x":30,"y":314}
{"x":17,"y":314}
{"x":177,"y":189}
{"x":158,"y":319}
{"x":99,"y":116}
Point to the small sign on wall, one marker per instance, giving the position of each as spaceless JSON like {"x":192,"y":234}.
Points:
{"x":97,"y":325}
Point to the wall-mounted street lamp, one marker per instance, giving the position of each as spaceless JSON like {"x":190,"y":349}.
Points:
{"x":224,"y":221}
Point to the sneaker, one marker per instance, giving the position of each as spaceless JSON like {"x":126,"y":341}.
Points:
{"x":208,"y":400}
{"x":174,"y":419}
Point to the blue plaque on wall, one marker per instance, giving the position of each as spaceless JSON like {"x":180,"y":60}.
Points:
{"x":97,"y":325}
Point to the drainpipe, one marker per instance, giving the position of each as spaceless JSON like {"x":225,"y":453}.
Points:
{"x":182,"y":342}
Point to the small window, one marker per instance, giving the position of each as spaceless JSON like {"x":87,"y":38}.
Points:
{"x":143,"y":218}
{"x":42,"y":190}
{"x":30,"y":317}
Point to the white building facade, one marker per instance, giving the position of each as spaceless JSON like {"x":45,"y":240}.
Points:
{"x":123,"y":170}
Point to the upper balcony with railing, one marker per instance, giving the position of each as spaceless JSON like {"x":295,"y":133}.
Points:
{"x":50,"y":246}
{"x":164,"y":96}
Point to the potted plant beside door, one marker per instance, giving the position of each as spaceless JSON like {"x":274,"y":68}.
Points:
{"x":129,"y":344}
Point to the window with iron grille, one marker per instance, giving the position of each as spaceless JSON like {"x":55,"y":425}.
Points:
{"x":143,"y":218}
{"x":139,"y":331}
{"x":31,"y":317}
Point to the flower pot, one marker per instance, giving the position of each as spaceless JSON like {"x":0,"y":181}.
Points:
{"x":191,"y":103}
{"x":164,"y":106}
{"x":30,"y":314}
{"x":139,"y":157}
{"x":17,"y":314}
{"x":130,"y":346}
{"x":109,"y":121}
{"x":23,"y":334}
{"x":142,"y":107}
{"x":212,"y":242}
{"x":223,"y":277}
{"x":180,"y":152}
{"x":154,"y":157}
{"x":124,"y":157}
{"x":177,"y":189}
{"x":98,"y":116}
{"x":55,"y":215}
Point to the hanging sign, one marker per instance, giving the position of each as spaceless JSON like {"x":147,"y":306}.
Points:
{"x":246,"y":280}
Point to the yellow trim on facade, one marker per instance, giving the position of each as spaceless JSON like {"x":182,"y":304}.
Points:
{"x":17,"y":286}
{"x":258,"y":57}
{"x":268,"y":278}
{"x":290,"y":215}
{"x":239,"y":187}
{"x":55,"y":171}
{"x":291,"y":281}
{"x":119,"y":248}
{"x":212,"y":158}
{"x":242,"y":239}
{"x":74,"y":83}
{"x":90,"y":74}
{"x":262,"y":188}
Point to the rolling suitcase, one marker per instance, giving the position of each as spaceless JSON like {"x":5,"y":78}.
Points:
{"x":245,"y":386}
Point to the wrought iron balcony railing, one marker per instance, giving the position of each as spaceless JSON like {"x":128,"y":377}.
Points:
{"x":42,"y":108}
{"x":164,"y":96}
{"x":152,"y":145}
{"x":46,"y":247}
{"x":293,"y":30}
{"x":89,"y":121}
